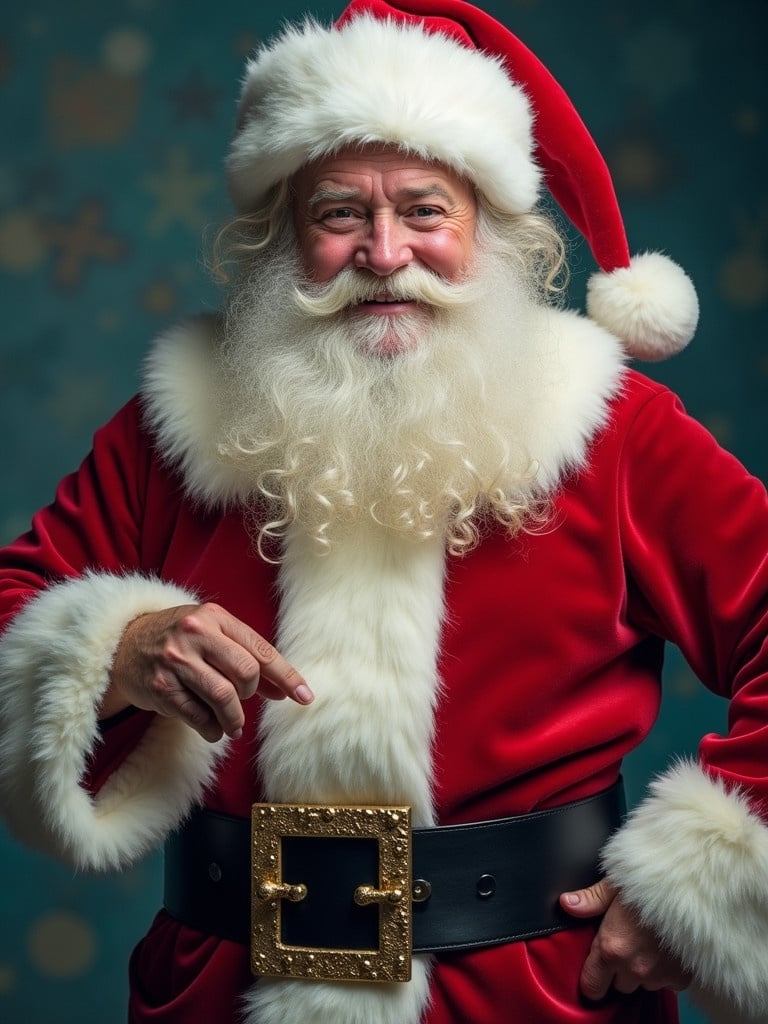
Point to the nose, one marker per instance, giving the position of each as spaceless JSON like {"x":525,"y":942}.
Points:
{"x":384,"y":247}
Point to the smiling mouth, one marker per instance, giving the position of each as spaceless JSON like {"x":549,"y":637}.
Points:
{"x":385,"y":301}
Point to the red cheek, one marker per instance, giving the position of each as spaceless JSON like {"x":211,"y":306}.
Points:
{"x":323,"y":259}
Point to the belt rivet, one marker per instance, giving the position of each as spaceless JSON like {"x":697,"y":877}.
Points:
{"x":486,"y":886}
{"x":421,"y":890}
{"x":214,"y":872}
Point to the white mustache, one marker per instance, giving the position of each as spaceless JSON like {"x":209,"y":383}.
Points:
{"x":410,"y":284}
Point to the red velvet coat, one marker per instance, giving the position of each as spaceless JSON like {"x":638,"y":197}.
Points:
{"x":550,"y":660}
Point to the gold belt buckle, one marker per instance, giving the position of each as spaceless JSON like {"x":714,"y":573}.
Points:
{"x":391,"y":828}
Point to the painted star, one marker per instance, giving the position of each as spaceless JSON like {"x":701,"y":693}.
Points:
{"x":179,"y":191}
{"x":80,"y":241}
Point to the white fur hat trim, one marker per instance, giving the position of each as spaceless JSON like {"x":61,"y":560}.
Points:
{"x":315,"y":90}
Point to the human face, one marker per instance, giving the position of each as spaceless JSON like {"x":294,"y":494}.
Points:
{"x":379,"y":210}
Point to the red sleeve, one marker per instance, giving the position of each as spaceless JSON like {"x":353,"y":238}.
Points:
{"x":94,"y":521}
{"x":695,"y":533}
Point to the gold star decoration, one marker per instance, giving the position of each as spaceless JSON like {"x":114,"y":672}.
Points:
{"x":80,"y":241}
{"x":179,"y":192}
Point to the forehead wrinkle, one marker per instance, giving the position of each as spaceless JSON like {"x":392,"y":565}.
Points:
{"x":424,"y":191}
{"x":329,"y":193}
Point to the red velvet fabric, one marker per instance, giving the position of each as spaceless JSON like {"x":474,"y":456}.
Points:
{"x":551,"y":662}
{"x":576,"y":173}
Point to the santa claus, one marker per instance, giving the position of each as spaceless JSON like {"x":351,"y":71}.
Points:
{"x":396,"y":483}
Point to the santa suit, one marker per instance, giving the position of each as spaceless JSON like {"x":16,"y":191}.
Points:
{"x":512,"y":679}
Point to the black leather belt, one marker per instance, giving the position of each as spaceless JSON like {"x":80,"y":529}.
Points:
{"x":472,"y":885}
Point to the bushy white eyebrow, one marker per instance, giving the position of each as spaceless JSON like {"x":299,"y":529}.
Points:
{"x":326,"y":194}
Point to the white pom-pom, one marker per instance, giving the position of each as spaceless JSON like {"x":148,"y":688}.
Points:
{"x":651,"y":305}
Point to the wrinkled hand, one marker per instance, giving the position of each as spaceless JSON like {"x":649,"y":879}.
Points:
{"x":624,"y":953}
{"x":198,"y":663}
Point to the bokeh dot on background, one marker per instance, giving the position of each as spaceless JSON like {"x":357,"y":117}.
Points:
{"x":61,"y":945}
{"x":7,"y":978}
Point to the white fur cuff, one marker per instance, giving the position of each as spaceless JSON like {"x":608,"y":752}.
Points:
{"x":693,"y":860}
{"x":54,"y":666}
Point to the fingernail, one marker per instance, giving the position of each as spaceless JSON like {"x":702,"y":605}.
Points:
{"x":236,"y":734}
{"x":303,"y":694}
{"x":572,"y":898}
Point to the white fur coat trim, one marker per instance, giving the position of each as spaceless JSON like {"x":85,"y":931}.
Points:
{"x":54,"y":666}
{"x":362,"y":623}
{"x":560,"y":392}
{"x":692,"y":858}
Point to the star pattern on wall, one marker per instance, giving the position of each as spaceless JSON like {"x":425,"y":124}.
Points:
{"x":80,"y":241}
{"x":95,"y":96}
{"x":178,"y":191}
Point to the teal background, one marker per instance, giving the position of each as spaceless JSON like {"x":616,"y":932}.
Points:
{"x":115,"y":119}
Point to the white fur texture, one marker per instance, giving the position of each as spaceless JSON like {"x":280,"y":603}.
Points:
{"x":306,"y":1002}
{"x":651,"y":305}
{"x":315,"y":90}
{"x":362,"y":623}
{"x":693,"y":859}
{"x":178,"y":384}
{"x":54,"y":665}
{"x":558,"y":393}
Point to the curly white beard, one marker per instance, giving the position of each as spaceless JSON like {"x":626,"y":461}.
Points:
{"x":330,"y":430}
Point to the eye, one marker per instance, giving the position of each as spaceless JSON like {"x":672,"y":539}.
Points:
{"x":340,"y":213}
{"x":426,"y":217}
{"x":339,"y":218}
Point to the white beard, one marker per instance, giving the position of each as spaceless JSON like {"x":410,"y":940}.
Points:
{"x":330,"y":431}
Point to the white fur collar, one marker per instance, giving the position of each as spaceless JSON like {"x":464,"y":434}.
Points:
{"x":562,"y":397}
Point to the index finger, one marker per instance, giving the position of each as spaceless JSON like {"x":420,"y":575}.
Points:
{"x":596,"y":976}
{"x":274,"y":667}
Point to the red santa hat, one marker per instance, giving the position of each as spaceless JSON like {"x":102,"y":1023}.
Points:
{"x":445,"y":80}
